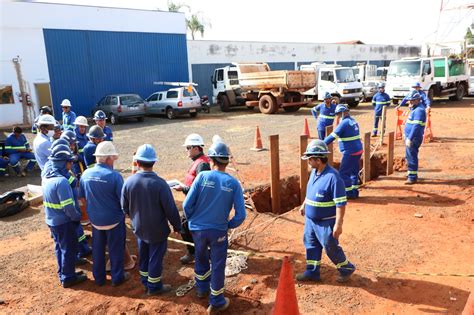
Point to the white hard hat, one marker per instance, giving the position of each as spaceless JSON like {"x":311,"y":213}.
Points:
{"x":105,"y":148}
{"x":66,"y":102}
{"x":193,"y":140}
{"x":217,"y":139}
{"x":81,"y":121}
{"x":46,"y":120}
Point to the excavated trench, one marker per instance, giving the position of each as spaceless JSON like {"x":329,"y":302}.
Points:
{"x":290,"y":186}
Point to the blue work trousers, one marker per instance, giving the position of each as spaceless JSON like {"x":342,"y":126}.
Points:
{"x":16,"y":157}
{"x":210,"y":277}
{"x":318,"y":235}
{"x":412,"y":158}
{"x":151,"y":263}
{"x":65,"y":242}
{"x":321,"y":134}
{"x":3,"y":166}
{"x":114,"y":239}
{"x":83,"y":248}
{"x":349,"y":171}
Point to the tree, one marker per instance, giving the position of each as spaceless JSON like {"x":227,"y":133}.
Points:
{"x":194,"y":25}
{"x":175,"y":7}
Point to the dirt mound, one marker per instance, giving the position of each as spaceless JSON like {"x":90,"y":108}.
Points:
{"x":289,"y":195}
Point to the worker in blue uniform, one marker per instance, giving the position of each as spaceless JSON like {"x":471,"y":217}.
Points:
{"x":414,"y":130}
{"x":96,"y":135}
{"x":350,"y":145}
{"x":77,"y":166}
{"x":379,"y":100}
{"x":18,"y":148}
{"x":100,"y":119}
{"x":81,"y":134}
{"x":62,"y":216}
{"x":149,"y":202}
{"x":43,"y":111}
{"x":101,"y":187}
{"x":424,"y":99}
{"x":324,"y":209}
{"x":42,"y":142}
{"x":207,"y":207}
{"x":68,"y":116}
{"x":324,"y":113}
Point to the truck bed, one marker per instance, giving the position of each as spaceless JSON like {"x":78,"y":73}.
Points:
{"x":298,"y":81}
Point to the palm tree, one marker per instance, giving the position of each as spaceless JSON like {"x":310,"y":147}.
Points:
{"x":175,"y":7}
{"x":194,"y":25}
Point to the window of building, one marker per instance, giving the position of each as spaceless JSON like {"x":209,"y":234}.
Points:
{"x":6,"y":94}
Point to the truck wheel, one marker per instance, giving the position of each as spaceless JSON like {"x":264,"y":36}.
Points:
{"x":141,"y":119}
{"x":336,"y":100}
{"x":395,"y":102}
{"x":224,"y":103}
{"x":170,"y":113}
{"x":193,"y":114}
{"x":459,"y":93}
{"x":267,"y":104}
{"x":431,"y":94}
{"x":291,"y":109}
{"x":114,"y":120}
{"x":353,"y":104}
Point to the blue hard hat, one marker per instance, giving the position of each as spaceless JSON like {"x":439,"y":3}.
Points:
{"x":381,"y":85}
{"x":341,"y":108}
{"x":57,"y":126}
{"x":315,"y":148}
{"x":219,"y":149}
{"x":60,"y":141}
{"x":61,"y":152}
{"x":99,"y":115}
{"x":414,"y":95}
{"x":145,"y":153}
{"x":96,"y":132}
{"x":416,"y":84}
{"x":70,"y":136}
{"x":327,"y":95}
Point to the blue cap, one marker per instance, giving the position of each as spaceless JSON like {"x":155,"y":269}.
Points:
{"x":381,"y":85}
{"x":99,"y":115}
{"x":57,"y":126}
{"x":60,"y":141}
{"x":341,"y":108}
{"x":414,"y":95}
{"x":61,"y":152}
{"x":219,"y":149}
{"x":327,"y":95}
{"x":145,"y":153}
{"x":70,"y":136}
{"x":315,"y":148}
{"x":416,"y":84}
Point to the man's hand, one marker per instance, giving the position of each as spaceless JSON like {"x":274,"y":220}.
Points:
{"x":337,"y":231}
{"x":408,"y":143}
{"x":428,"y":110}
{"x":302,"y":210}
{"x":178,"y":188}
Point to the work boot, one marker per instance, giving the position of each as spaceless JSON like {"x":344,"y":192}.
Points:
{"x":126,"y":276}
{"x":77,"y":280}
{"x":343,"y":279}
{"x":304,"y":278}
{"x":374,"y":135}
{"x":187,"y":259}
{"x":215,"y":310}
{"x":165,"y":289}
{"x":202,"y":294}
{"x":410,"y":181}
{"x":80,"y":261}
{"x":23,"y":173}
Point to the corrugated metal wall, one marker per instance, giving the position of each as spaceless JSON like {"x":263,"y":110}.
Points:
{"x":86,"y":65}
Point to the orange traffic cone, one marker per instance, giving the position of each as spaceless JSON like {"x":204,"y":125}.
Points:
{"x":258,"y":146}
{"x":84,"y":216}
{"x":469,"y":308}
{"x":306,"y":129}
{"x":285,"y":302}
{"x":134,"y":165}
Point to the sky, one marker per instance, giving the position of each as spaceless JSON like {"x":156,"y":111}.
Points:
{"x":401,"y":22}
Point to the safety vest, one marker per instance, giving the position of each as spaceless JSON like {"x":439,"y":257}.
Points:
{"x":191,"y":175}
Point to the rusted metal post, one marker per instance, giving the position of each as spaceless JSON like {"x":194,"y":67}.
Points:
{"x":366,"y":161}
{"x":303,"y":168}
{"x":275,"y":173}
{"x":329,"y":130}
{"x":390,"y":153}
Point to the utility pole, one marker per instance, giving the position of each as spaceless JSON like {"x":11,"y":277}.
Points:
{"x":21,"y":84}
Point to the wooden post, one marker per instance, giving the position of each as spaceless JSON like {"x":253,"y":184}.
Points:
{"x":366,"y":161}
{"x":329,"y":130}
{"x":303,"y":168}
{"x":390,"y":153}
{"x":275,"y":173}
{"x":384,"y":122}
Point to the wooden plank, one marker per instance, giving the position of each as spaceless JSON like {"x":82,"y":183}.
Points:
{"x":329,"y":130}
{"x":275,"y":173}
{"x":303,"y":168}
{"x":384,"y":123}
{"x":390,"y":153}
{"x":366,"y":161}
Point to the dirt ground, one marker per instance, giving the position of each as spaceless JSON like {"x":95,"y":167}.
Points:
{"x":381,"y":233}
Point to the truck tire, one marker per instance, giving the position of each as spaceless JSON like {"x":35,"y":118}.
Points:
{"x":114,"y":120}
{"x":431,"y":94}
{"x":267,"y":104}
{"x":224,"y":103}
{"x":353,"y":104}
{"x":460,"y":91}
{"x":291,"y":109}
{"x":336,"y":99}
{"x":395,"y":102}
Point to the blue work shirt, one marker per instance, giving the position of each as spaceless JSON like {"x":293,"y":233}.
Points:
{"x":379,"y":100}
{"x":324,"y":193}
{"x":88,"y":152}
{"x":425,"y":100}
{"x":58,"y":201}
{"x":82,"y":140}
{"x":210,"y":200}
{"x":149,"y":202}
{"x":68,"y":120}
{"x":108,"y":134}
{"x":13,"y":145}
{"x":102,"y":188}
{"x":41,"y":148}
{"x":415,"y":124}
{"x":347,"y":133}
{"x":324,"y":115}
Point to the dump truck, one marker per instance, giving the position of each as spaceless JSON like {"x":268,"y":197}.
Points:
{"x":335,"y":79}
{"x":438,"y":76}
{"x":255,"y":85}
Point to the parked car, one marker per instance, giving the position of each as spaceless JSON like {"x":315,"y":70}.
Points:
{"x":174,"y":102}
{"x":121,"y":106}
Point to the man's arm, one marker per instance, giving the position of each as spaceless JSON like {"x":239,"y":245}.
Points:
{"x":239,"y":207}
{"x":169,"y":206}
{"x":191,"y":198}
{"x":315,"y":111}
{"x":340,"y":199}
{"x":66,"y":199}
{"x":335,"y":134}
{"x":124,"y":200}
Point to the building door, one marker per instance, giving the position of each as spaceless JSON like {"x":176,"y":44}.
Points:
{"x":43,"y":95}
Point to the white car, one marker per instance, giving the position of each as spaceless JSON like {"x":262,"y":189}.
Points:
{"x":174,"y":102}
